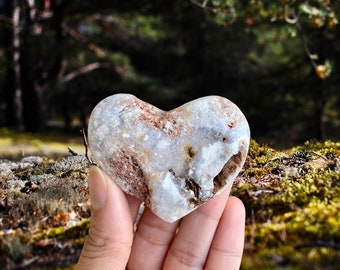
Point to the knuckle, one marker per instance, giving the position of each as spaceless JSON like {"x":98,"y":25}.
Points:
{"x":99,"y":240}
{"x":187,"y":258}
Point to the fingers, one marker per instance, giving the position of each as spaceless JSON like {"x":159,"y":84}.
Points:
{"x":111,"y":230}
{"x":211,"y":237}
{"x":151,"y":242}
{"x":227,"y":246}
{"x":190,"y":247}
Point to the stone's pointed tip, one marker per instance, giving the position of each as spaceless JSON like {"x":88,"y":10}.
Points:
{"x":174,"y":161}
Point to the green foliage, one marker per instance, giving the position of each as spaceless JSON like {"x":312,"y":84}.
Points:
{"x":170,"y":52}
{"x":318,"y":13}
{"x":142,"y":27}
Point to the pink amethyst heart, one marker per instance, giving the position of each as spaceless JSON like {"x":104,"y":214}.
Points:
{"x":174,"y":161}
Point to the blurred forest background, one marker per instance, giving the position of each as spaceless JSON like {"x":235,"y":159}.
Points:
{"x":278,"y":60}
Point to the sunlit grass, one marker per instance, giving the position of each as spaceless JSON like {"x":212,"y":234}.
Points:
{"x":19,"y":144}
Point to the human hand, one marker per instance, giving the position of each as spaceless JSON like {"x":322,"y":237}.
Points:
{"x":211,"y":237}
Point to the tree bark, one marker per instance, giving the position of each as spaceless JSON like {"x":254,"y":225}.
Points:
{"x":14,"y":108}
{"x":41,"y":80}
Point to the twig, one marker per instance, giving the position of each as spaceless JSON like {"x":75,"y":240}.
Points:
{"x":321,"y":156}
{"x":87,"y":148}
{"x":305,"y":44}
{"x":72,"y":152}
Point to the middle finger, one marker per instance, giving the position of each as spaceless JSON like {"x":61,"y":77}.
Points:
{"x":190,"y":247}
{"x":151,"y":242}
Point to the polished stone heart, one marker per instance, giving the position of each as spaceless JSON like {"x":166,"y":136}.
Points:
{"x":173,"y":161}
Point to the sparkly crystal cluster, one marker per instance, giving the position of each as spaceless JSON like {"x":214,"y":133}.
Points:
{"x":174,"y":160}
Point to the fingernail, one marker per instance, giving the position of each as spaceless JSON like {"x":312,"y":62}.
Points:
{"x":97,"y":188}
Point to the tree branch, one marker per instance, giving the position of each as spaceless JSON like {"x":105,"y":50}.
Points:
{"x":85,"y":69}
{"x":289,"y":15}
{"x":202,"y":5}
{"x":6,"y":19}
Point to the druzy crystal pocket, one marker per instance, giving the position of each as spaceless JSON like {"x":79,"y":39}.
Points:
{"x":174,"y":161}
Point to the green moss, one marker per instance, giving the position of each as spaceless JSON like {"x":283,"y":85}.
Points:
{"x":76,"y":232}
{"x":322,"y":147}
{"x":292,"y":200}
{"x":259,"y":155}
{"x":44,"y":206}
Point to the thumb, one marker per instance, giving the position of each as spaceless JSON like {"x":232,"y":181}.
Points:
{"x":108,"y":244}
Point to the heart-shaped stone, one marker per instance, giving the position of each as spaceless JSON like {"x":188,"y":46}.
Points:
{"x":173,"y":161}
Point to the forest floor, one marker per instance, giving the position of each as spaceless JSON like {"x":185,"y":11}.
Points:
{"x":292,"y":199}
